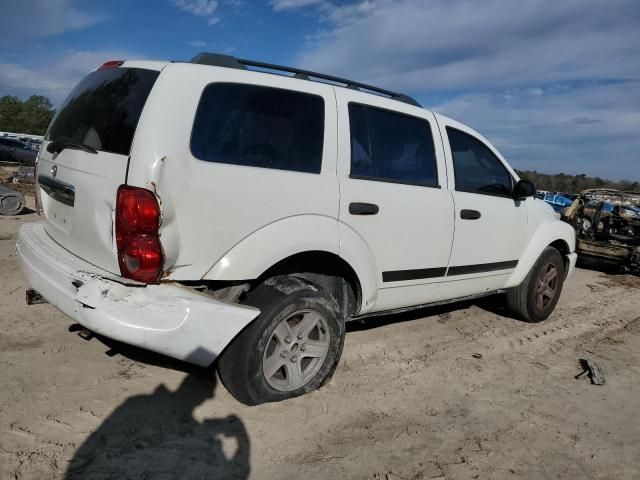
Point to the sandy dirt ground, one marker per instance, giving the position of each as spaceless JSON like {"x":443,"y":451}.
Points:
{"x":456,"y":392}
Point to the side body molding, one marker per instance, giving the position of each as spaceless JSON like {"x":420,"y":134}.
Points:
{"x":262,"y":249}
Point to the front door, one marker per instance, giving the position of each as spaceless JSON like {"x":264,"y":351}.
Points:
{"x":490,"y":226}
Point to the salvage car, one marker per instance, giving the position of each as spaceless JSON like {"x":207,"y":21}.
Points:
{"x":13,"y":150}
{"x":607,"y":225}
{"x":231,"y":210}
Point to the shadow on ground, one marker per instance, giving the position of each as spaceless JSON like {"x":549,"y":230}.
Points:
{"x":155,"y":436}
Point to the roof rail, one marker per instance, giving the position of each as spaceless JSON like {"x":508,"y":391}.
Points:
{"x":228,"y":61}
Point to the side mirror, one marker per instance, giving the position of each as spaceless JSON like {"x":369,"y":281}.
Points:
{"x":524,"y":189}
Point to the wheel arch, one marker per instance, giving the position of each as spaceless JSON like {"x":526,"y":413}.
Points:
{"x":324,"y":269}
{"x":556,"y":234}
{"x":305,"y":244}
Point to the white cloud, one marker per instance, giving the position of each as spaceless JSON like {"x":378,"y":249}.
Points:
{"x":279,"y":5}
{"x":56,"y":77}
{"x":590,"y":129}
{"x":445,"y":44}
{"x":198,"y":44}
{"x":553,"y":83}
{"x":199,"y":8}
{"x":29,"y":19}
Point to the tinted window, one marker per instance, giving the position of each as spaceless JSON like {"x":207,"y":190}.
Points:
{"x":476,"y":168}
{"x":259,"y":127}
{"x":391,"y":146}
{"x":104,"y":109}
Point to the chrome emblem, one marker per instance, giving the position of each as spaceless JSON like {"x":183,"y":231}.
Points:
{"x":54,"y":170}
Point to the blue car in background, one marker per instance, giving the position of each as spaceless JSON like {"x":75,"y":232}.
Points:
{"x":558,"y":201}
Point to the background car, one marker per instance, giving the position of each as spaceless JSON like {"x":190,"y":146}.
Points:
{"x":14,"y":151}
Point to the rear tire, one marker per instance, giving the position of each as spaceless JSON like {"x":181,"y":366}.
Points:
{"x":536,"y":297}
{"x":291,"y":348}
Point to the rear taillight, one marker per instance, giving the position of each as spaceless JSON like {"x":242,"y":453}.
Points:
{"x":137,"y":234}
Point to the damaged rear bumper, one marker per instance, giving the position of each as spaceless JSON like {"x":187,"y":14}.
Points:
{"x":168,"y":318}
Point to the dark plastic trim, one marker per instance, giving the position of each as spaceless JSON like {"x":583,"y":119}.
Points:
{"x":467,"y":214}
{"x":60,"y":191}
{"x":227,"y":61}
{"x":418,"y":274}
{"x":217,"y":60}
{"x":360,"y":208}
{"x":481,"y":268}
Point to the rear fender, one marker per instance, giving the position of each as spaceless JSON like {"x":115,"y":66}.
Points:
{"x":258,"y":252}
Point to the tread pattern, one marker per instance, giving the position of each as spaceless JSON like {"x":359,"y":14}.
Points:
{"x":519,"y":298}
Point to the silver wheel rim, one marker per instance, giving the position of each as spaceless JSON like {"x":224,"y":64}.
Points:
{"x":296,"y":350}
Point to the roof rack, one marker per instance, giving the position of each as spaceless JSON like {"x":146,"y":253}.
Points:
{"x":228,"y":61}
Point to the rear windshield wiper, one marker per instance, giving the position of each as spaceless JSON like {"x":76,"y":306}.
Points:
{"x":60,"y":144}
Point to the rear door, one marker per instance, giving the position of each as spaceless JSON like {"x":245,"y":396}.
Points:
{"x":77,"y":187}
{"x":392,"y":173}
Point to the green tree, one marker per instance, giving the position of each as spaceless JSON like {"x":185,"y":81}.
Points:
{"x":31,"y":116}
{"x":10,"y":108}
{"x":575,"y":183}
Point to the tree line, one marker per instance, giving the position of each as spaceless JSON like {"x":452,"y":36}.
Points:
{"x":30,"y":116}
{"x":562,"y":182}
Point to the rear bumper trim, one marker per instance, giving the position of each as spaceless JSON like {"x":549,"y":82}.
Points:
{"x":168,"y":318}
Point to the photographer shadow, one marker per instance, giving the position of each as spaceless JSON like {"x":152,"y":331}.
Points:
{"x":156,"y":436}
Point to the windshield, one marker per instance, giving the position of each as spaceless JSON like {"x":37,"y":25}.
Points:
{"x":102,"y":112}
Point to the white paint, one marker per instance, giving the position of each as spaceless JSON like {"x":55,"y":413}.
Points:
{"x":168,"y":318}
{"x":229,"y":222}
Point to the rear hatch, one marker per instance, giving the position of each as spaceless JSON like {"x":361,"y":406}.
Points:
{"x":84,"y":159}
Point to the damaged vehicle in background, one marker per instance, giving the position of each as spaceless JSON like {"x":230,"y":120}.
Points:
{"x":607,"y":224}
{"x":13,"y":151}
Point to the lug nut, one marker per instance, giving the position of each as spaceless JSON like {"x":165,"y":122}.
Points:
{"x":303,"y":347}
{"x":299,"y":335}
{"x":294,"y":358}
{"x":284,"y":354}
{"x":287,"y":339}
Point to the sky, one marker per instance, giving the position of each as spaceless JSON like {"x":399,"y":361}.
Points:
{"x":553,"y":84}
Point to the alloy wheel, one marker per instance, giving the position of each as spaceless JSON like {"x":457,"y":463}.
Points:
{"x":296,"y":350}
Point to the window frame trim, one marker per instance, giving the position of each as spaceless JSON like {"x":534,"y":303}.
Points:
{"x":249,"y":84}
{"x":512,"y":180}
{"x":371,"y":178}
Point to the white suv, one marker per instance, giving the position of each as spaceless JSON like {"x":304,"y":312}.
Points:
{"x":214,"y":209}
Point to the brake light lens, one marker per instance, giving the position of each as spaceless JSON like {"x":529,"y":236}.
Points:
{"x":111,"y":64}
{"x":140,"y":253}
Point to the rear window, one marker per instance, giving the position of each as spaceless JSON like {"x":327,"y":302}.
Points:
{"x":103,"y":110}
{"x":259,"y":126}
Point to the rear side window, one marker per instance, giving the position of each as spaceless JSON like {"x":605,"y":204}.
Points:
{"x":103,"y":110}
{"x":476,"y":168}
{"x":259,"y":126}
{"x":389,"y":146}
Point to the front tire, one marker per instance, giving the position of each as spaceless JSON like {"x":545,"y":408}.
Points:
{"x":292,"y":348}
{"x":536,"y":297}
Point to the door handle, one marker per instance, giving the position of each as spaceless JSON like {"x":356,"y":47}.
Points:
{"x":358,"y":208}
{"x":470,"y":214}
